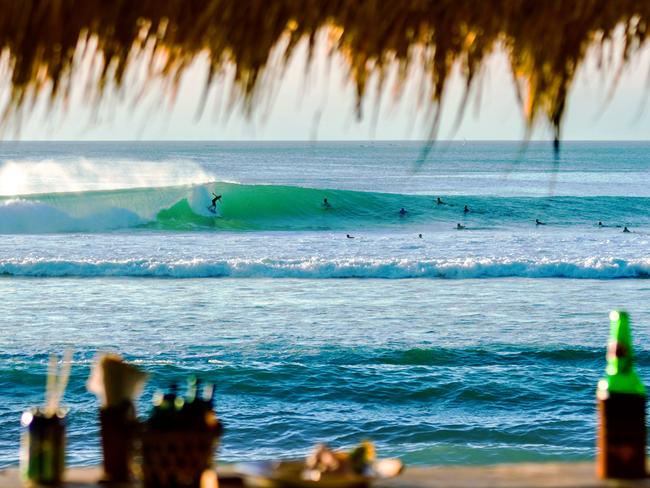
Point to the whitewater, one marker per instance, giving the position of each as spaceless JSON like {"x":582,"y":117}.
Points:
{"x":373,"y":255}
{"x":444,"y":345}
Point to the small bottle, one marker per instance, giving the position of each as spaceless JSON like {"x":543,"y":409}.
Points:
{"x":193,"y":385}
{"x":162,"y":415}
{"x":621,"y":398}
{"x":210,"y":416}
{"x":192,"y":413}
{"x":208,"y":396}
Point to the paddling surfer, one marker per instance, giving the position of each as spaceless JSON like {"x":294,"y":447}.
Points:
{"x":403,"y":212}
{"x":326,"y":204}
{"x":539,"y":222}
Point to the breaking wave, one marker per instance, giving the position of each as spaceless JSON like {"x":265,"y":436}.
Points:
{"x":276,"y":207}
{"x":593,"y":268}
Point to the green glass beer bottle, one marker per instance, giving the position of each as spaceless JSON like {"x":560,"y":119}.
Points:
{"x":621,"y":449}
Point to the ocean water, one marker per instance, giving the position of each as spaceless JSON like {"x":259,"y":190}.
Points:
{"x":472,"y":346}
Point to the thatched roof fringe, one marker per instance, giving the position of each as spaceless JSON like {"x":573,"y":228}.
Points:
{"x":545,"y":40}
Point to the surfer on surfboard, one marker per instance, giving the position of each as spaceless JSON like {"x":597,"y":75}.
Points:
{"x":213,"y":208}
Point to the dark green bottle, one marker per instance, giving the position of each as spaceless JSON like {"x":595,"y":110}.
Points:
{"x":621,"y":400}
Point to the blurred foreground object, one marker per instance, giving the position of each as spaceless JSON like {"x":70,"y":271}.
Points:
{"x":180,"y":438}
{"x":46,"y":42}
{"x":42,"y":450}
{"x":621,"y":408}
{"x":117,"y":386}
{"x":42,"y":455}
{"x":323,"y":468}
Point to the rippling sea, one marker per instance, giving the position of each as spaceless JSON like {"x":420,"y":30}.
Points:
{"x":443,"y":345}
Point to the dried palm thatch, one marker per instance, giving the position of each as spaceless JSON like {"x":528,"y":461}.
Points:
{"x":545,"y":40}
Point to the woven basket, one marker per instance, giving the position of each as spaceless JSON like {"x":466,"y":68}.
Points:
{"x":177,"y":458}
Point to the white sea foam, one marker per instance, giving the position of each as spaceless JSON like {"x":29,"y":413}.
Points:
{"x":30,"y":216}
{"x":590,"y":268}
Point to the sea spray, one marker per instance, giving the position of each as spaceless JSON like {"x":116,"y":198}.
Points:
{"x":25,"y":177}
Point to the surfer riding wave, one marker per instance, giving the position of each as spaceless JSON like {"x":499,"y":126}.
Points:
{"x":213,"y":207}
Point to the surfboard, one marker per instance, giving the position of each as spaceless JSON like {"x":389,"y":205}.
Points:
{"x":211,"y":209}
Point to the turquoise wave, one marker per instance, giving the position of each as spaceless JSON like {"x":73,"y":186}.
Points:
{"x":273,"y":207}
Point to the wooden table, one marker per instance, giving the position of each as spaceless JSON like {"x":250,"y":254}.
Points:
{"x":557,"y":475}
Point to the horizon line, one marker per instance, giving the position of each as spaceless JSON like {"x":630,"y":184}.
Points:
{"x":307,"y":141}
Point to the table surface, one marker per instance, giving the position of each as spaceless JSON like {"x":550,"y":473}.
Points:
{"x":558,"y":475}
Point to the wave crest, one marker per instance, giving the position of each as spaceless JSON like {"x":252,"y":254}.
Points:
{"x":591,"y":268}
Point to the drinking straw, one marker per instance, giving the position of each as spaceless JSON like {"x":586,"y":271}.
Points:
{"x":49,"y":385}
{"x":63,"y":377}
{"x":57,"y":381}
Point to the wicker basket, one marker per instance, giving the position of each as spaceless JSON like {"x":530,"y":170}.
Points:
{"x":177,"y":458}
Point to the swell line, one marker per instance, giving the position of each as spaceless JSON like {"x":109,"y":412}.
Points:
{"x":272,"y":207}
{"x":479,"y":268}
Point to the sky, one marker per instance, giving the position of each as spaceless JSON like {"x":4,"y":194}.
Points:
{"x":318,"y":104}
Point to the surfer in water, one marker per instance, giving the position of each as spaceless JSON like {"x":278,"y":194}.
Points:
{"x":439,"y":201}
{"x":403,"y":212}
{"x":326,"y":204}
{"x":539,"y":222}
{"x":459,"y":227}
{"x":349,"y":236}
{"x":466,"y":209}
{"x":600,"y":224}
{"x":626,"y":230}
{"x":213,"y":206}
